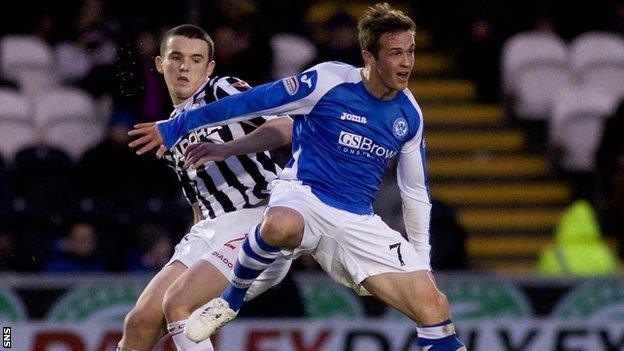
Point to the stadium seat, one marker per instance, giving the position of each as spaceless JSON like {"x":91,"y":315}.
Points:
{"x":528,"y":49}
{"x":598,"y":59}
{"x":291,"y":54}
{"x":534,"y":66}
{"x":28,"y":61}
{"x":33,"y":83}
{"x":17,"y":129}
{"x":23,"y":52}
{"x":537,"y":86}
{"x":72,"y":62}
{"x":577,"y":123}
{"x":68,"y":117}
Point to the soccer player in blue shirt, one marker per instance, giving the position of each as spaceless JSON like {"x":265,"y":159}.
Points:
{"x":350,"y":122}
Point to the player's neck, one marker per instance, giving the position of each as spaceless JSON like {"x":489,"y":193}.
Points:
{"x":374,"y":85}
{"x":176,"y":101}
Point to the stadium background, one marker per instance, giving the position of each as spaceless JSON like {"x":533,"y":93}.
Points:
{"x":84,"y":223}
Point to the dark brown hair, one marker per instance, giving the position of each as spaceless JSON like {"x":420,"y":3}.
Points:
{"x":188,"y":31}
{"x":377,"y":21}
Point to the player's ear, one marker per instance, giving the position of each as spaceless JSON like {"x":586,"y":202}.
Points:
{"x":158,"y":61}
{"x":210,"y":68}
{"x":369,"y":59}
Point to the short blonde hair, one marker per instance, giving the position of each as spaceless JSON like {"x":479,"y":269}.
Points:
{"x":377,"y":21}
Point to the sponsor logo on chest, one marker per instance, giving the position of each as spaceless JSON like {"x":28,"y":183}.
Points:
{"x":361,"y":145}
{"x":192,"y":138}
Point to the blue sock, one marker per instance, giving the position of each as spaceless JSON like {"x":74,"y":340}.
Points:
{"x":439,"y":337}
{"x":253,"y":258}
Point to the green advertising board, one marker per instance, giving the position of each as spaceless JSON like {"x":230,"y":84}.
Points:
{"x":473,"y":299}
{"x":323,"y":298}
{"x":596,"y":300}
{"x":11,"y":307}
{"x":104,"y":302}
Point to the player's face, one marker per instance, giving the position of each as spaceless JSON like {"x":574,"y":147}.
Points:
{"x":185,"y":66}
{"x":395,"y":59}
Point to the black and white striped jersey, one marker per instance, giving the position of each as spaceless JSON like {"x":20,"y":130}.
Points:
{"x":234,"y":183}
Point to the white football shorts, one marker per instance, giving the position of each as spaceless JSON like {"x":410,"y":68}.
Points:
{"x":348,"y":246}
{"x":218,"y":240}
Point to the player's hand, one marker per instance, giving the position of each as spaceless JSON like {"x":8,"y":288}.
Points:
{"x":148,"y":137}
{"x":197,"y":154}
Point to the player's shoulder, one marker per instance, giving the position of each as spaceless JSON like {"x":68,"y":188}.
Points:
{"x":410,"y":101}
{"x":335,"y":67}
{"x":334,"y":73}
{"x":413,"y":112}
{"x":220,"y":87}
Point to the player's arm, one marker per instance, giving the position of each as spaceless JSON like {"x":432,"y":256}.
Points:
{"x":197,"y":214}
{"x":294,"y":95}
{"x":270,"y":135}
{"x":412,"y":180}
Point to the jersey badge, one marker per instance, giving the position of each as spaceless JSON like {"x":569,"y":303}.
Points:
{"x":291,"y":84}
{"x":399,"y":127}
{"x":200,"y":101}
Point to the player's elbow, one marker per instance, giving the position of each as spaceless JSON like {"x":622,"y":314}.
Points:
{"x":281,"y":129}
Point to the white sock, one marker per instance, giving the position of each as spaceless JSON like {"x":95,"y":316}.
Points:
{"x":182,"y":343}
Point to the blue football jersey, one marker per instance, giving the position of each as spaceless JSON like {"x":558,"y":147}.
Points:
{"x":343,"y":136}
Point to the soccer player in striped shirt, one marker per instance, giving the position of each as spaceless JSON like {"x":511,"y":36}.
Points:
{"x":228,"y":195}
{"x":350,"y":122}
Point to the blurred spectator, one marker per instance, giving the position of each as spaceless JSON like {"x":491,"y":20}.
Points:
{"x":44,"y":184}
{"x":46,"y":29}
{"x":151,"y":250}
{"x":242,"y":39}
{"x":89,"y":53}
{"x":579,"y":248}
{"x":342,"y":41}
{"x":118,"y":185}
{"x":619,"y":18}
{"x":153,"y":96}
{"x":109,"y":168}
{"x":545,"y":24}
{"x":96,"y":35}
{"x":285,"y":16}
{"x":5,"y":192}
{"x":138,"y":87}
{"x":447,"y":238}
{"x":578,"y":17}
{"x":77,"y":251}
{"x":238,"y":54}
{"x":43,"y":196}
{"x":479,"y":59}
{"x":610,"y":162}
